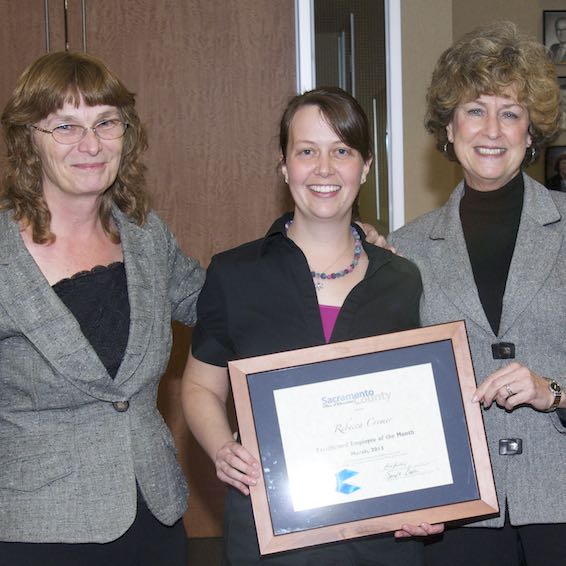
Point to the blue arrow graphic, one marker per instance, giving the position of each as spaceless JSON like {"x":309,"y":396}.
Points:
{"x":341,"y":485}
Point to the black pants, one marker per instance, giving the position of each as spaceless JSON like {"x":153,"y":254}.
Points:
{"x":146,"y":543}
{"x":241,"y":548}
{"x":528,"y":545}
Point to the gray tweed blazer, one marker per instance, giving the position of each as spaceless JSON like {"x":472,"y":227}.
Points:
{"x":69,"y":459}
{"x":533,"y":318}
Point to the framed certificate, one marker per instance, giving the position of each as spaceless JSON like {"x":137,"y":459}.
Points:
{"x":360,"y":437}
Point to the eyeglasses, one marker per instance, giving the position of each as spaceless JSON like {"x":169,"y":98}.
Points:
{"x":73,"y":133}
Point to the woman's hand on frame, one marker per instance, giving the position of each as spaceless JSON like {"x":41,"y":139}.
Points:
{"x":235,"y":466}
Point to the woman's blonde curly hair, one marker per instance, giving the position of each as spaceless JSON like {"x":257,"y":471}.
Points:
{"x":44,"y":87}
{"x":492,"y":60}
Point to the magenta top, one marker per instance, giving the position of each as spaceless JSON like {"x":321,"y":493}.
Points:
{"x":328,"y":315}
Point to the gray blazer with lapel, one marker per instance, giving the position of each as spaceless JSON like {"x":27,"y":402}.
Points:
{"x":533,"y":318}
{"x":69,"y":460}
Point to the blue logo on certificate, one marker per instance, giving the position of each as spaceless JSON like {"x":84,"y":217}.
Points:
{"x":341,"y":485}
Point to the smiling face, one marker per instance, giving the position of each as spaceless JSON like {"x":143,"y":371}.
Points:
{"x":87,"y":167}
{"x":324,"y":173}
{"x":490,"y":137}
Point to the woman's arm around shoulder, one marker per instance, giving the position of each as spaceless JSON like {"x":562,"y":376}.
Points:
{"x":374,"y":237}
{"x":185,"y":275}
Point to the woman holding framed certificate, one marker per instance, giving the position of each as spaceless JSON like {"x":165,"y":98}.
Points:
{"x":312,"y":279}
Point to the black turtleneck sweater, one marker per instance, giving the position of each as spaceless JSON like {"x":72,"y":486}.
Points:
{"x":490,"y":220}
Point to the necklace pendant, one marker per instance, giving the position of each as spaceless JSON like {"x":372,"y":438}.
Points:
{"x":319,"y":278}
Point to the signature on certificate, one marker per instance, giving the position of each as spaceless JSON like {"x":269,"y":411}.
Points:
{"x":398,"y":470}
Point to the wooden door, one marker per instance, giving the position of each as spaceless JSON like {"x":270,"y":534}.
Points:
{"x":211,"y":79}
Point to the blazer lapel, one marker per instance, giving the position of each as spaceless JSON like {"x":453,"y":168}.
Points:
{"x":451,"y":264}
{"x":536,"y":252}
{"x":38,"y":313}
{"x":139,"y":260}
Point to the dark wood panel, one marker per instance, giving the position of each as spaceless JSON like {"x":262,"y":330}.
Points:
{"x":24,"y":39}
{"x":212,"y":78}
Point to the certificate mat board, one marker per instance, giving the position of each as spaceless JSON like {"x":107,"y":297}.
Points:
{"x":359,"y":437}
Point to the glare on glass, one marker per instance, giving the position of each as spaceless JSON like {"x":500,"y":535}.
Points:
{"x":73,"y":133}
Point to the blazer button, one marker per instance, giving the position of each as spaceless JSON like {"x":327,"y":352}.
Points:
{"x":503,"y":351}
{"x":510,"y":446}
{"x":121,"y":406}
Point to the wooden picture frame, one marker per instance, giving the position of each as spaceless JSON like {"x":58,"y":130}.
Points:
{"x":401,"y":406}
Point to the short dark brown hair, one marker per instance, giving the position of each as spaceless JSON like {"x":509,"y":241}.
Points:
{"x":43,"y":88}
{"x":342,"y":112}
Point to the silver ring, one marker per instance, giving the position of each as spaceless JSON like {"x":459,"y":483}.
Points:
{"x":509,"y":391}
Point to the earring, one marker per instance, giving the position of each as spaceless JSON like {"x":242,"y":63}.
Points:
{"x":530,"y":155}
{"x":445,"y":147}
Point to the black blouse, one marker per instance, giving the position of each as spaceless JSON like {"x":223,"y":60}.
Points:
{"x":259,"y":298}
{"x":98,"y":299}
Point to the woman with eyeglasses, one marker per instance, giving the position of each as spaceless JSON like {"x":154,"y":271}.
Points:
{"x":90,"y":280}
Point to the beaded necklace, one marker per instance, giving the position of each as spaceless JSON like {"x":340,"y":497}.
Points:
{"x":320,"y":277}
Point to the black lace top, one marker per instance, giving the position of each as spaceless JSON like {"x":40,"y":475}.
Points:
{"x":98,"y":300}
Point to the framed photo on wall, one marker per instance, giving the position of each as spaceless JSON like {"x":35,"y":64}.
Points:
{"x":555,"y":160}
{"x":554,"y":34}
